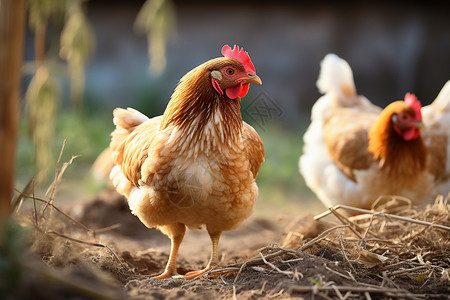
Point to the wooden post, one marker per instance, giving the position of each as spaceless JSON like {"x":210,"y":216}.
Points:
{"x":12,"y":26}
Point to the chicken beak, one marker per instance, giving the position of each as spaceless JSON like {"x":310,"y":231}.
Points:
{"x":252,"y":78}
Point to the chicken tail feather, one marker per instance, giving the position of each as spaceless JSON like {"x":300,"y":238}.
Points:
{"x":336,"y":76}
{"x":125,"y":120}
{"x":128,"y":118}
{"x":442,"y":101}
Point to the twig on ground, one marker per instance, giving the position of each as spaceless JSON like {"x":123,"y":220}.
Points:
{"x":52,"y":187}
{"x":344,"y":221}
{"x":398,"y":272}
{"x":58,"y":210}
{"x":16,"y":203}
{"x":255,"y":262}
{"x":357,"y":289}
{"x":337,"y":273}
{"x":365,"y":211}
{"x":288,"y":273}
{"x":87,"y":243}
{"x":341,"y":243}
{"x":108,"y":228}
{"x":368,"y":228}
{"x":35,"y":208}
{"x":81,"y":225}
{"x":321,"y":236}
{"x":220,"y":272}
{"x":260,"y":260}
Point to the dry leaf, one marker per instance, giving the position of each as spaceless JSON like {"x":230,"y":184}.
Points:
{"x":370,"y":259}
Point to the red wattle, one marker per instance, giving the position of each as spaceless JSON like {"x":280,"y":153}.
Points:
{"x":411,"y":134}
{"x":407,"y":135}
{"x":244,"y":90}
{"x":234,"y":92}
{"x":238,"y":91}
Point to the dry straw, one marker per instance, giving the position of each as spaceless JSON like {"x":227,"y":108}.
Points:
{"x":394,"y":240}
{"x":58,"y":237}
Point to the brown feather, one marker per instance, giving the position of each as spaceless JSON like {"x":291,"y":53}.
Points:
{"x":347,"y":145}
{"x":437,"y":143}
{"x":374,"y":139}
{"x":130,"y":149}
{"x":188,"y":104}
{"x":254,"y":148}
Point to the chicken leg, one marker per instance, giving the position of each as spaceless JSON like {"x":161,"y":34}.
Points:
{"x":213,"y":261}
{"x":176,"y":234}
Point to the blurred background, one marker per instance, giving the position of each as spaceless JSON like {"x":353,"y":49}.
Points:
{"x":84,"y":58}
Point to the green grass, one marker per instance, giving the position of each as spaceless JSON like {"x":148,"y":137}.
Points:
{"x":281,"y":187}
{"x":86,"y":135}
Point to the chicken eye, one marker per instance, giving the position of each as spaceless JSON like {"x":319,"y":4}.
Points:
{"x":229,"y":71}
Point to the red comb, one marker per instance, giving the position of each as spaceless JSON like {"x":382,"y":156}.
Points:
{"x":411,"y":101}
{"x":240,"y":55}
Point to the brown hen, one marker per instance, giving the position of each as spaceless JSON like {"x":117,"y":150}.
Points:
{"x":196,"y":164}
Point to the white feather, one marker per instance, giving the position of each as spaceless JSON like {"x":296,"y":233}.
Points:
{"x":335,"y":76}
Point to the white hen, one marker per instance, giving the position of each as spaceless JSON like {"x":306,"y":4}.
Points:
{"x":339,"y":165}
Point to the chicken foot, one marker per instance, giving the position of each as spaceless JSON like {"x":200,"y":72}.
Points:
{"x":214,"y":260}
{"x":176,"y":233}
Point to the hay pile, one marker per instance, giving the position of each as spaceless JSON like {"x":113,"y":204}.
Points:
{"x":394,"y":227}
{"x":396,"y":237}
{"x":402,"y":251}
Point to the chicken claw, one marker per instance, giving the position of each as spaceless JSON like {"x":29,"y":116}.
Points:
{"x":166,"y":274}
{"x":196,"y":274}
{"x":214,"y":260}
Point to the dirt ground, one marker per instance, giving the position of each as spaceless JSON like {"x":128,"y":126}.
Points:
{"x":285,"y":258}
